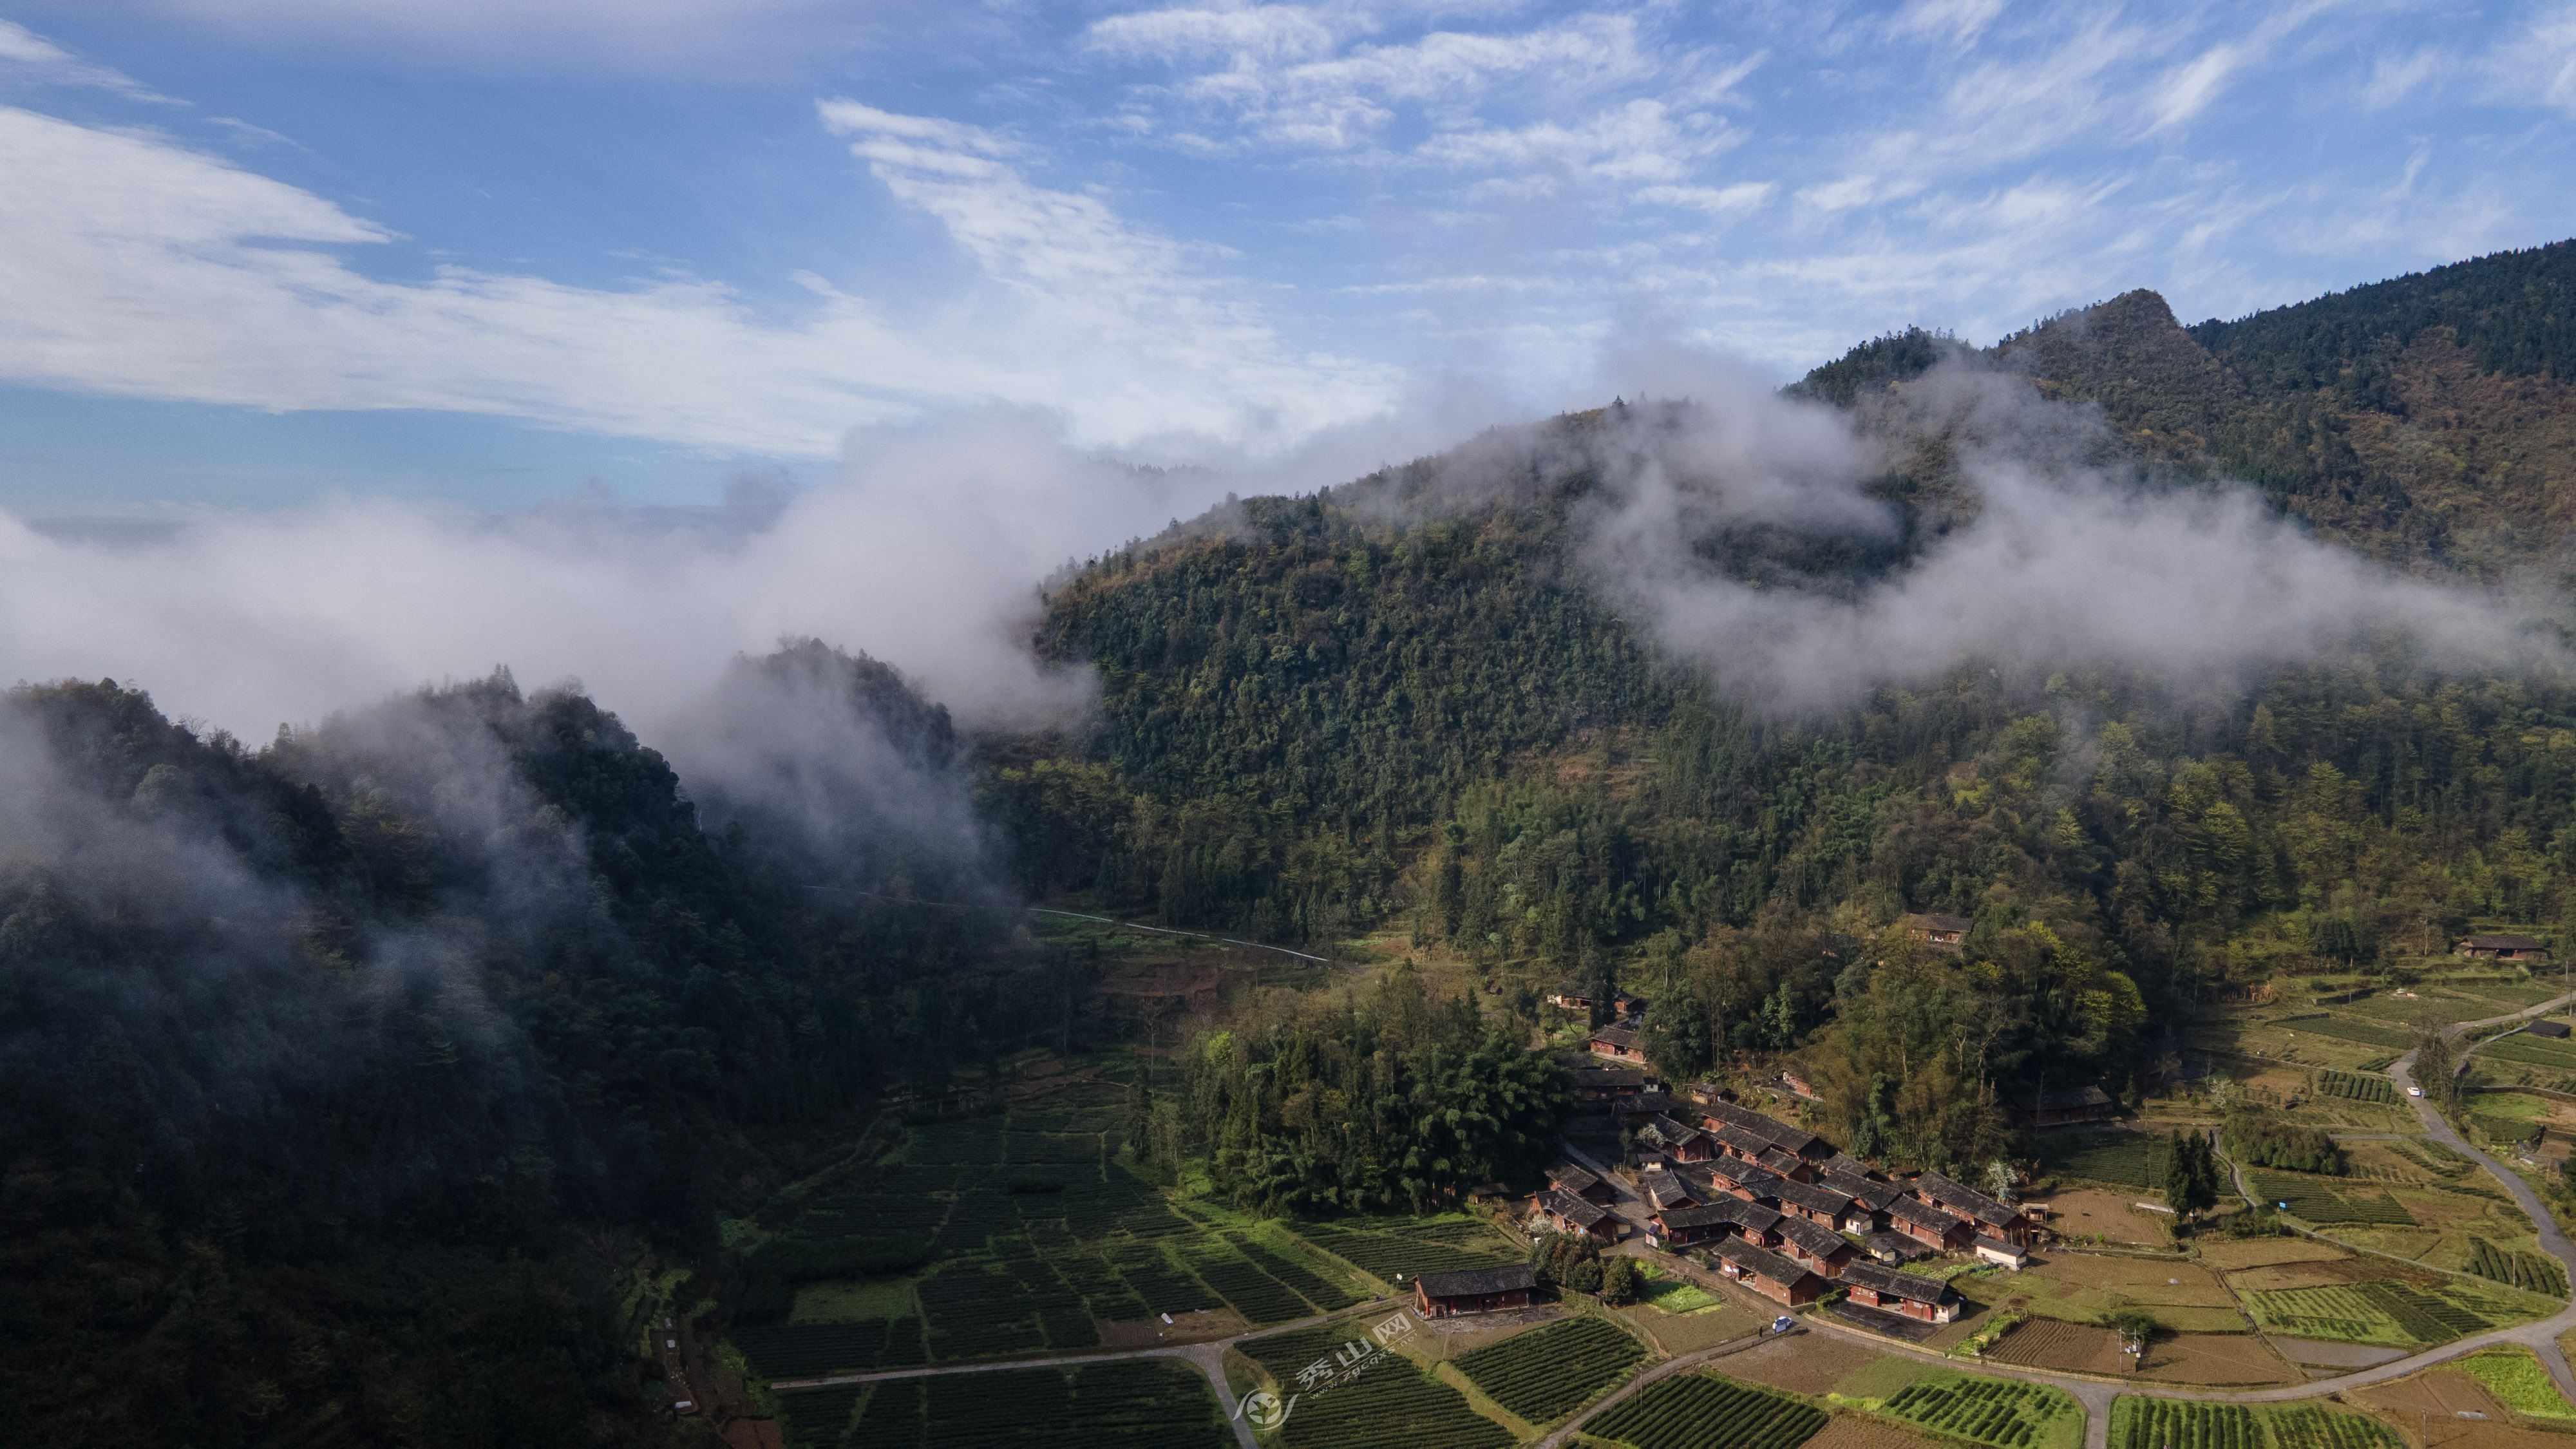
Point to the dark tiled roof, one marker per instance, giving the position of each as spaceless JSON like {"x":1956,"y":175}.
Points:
{"x":1959,"y":1197}
{"x":1753,"y":1217}
{"x":1571,"y":1178}
{"x":1911,"y":1286}
{"x":1663,"y":1189}
{"x":1817,"y":1240}
{"x":2074,"y":1098}
{"x":1761,"y":1260}
{"x":1908,"y":1210}
{"x":1475,"y":1282}
{"x":1673,"y":1133}
{"x":1997,"y":1245}
{"x":1873,"y":1195}
{"x":1843,"y":1164}
{"x":1770,"y":1129}
{"x":1697,"y":1217}
{"x":1812,"y":1196}
{"x":1892,"y":1245}
{"x":1617,"y":1036}
{"x":1742,"y":1139}
{"x":1780,"y":1159}
{"x":1566,"y":1205}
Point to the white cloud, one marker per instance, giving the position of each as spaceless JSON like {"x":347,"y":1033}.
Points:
{"x":1741,"y":197}
{"x":27,"y":55}
{"x":130,"y":265}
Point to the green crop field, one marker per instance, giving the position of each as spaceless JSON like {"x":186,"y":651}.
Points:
{"x":2305,"y":1426}
{"x":819,"y":1416}
{"x":2532,"y":1050}
{"x":2309,"y":1197}
{"x":2357,"y":1087}
{"x":1149,"y":1403}
{"x":1700,"y":1411}
{"x":2338,"y":1314}
{"x":1550,"y":1372}
{"x":2001,"y":1412}
{"x":1386,"y":1405}
{"x":2144,"y":1423}
{"x":2531,"y":1272}
{"x":1384,"y":1247}
{"x":2129,"y":1159}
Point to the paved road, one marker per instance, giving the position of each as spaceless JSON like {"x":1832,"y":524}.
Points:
{"x":2094,"y":1394}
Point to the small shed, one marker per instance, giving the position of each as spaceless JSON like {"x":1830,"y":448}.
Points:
{"x":1474,"y":1290}
{"x":2002,"y":1254}
{"x":1936,"y":930}
{"x":2504,"y":948}
{"x":2546,"y":1028}
{"x":2074,"y":1104}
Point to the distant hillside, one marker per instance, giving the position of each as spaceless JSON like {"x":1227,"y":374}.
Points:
{"x":2429,"y":420}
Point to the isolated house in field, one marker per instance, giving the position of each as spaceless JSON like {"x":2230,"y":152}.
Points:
{"x":1566,"y":1213}
{"x":1474,"y":1290}
{"x":1568,"y":1178}
{"x":2520,"y":949}
{"x":1928,"y":1225}
{"x":1565,"y":996}
{"x":2546,"y":1028}
{"x":1991,"y":1217}
{"x":1874,"y":1286}
{"x":1616,"y":1044}
{"x":1767,"y":1273}
{"x":2074,"y":1104}
{"x":1936,"y":930}
{"x":1820,"y":1250}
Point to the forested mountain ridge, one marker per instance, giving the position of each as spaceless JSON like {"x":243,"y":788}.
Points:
{"x":1403,"y":704}
{"x":2430,"y":419}
{"x":348,"y":1077}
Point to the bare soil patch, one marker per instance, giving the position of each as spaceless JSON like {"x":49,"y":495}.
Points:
{"x":2439,"y":1396}
{"x":2312,"y":1274}
{"x":2086,"y":1211}
{"x":1810,"y":1363}
{"x":2216,"y":1358}
{"x":2049,"y":1344}
{"x":1859,"y":1431}
{"x":1196,"y":1327}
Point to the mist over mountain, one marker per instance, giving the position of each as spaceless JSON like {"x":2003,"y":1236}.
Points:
{"x":354,"y":1076}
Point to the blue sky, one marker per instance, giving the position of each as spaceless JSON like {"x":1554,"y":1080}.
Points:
{"x":255,"y":253}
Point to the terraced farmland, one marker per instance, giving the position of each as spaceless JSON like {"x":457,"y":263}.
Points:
{"x":1701,"y":1411}
{"x":1383,"y":1249}
{"x":2309,"y":1197}
{"x":2144,"y":1423}
{"x":1389,"y":1405}
{"x":2337,"y":1313}
{"x":2531,"y":1272}
{"x":819,"y":1416}
{"x":2129,"y":1159}
{"x":805,"y":1350}
{"x":2354,"y":1086}
{"x":2346,"y":1029}
{"x":1549,"y":1372}
{"x":2005,"y":1413}
{"x":1142,"y":1402}
{"x":2305,"y":1426}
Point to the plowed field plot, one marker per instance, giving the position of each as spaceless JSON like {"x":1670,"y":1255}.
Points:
{"x":1699,"y":1411}
{"x":1860,"y":1431}
{"x":2141,"y":1423}
{"x":2006,"y":1413}
{"x":2050,"y":1344}
{"x":2215,"y":1358}
{"x":1389,"y":1405}
{"x":1810,"y":1363}
{"x":1550,"y":1372}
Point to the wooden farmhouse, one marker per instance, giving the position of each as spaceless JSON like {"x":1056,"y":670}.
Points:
{"x":1767,"y":1273}
{"x":2074,"y":1104}
{"x":1991,"y":1217}
{"x":2505,"y":948}
{"x":1911,"y":1294}
{"x":1688,"y":1227}
{"x":1820,"y":1250}
{"x":1616,"y":1044}
{"x":1682,"y":1144}
{"x":1667,"y":1189}
{"x":1814,"y":1202}
{"x":1566,"y":1177}
{"x":1929,"y":1225}
{"x":1474,"y":1290}
{"x":1566,"y":1213}
{"x":1936,"y":930}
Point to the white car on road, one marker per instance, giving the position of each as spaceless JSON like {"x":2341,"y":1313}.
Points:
{"x":2414,"y":1091}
